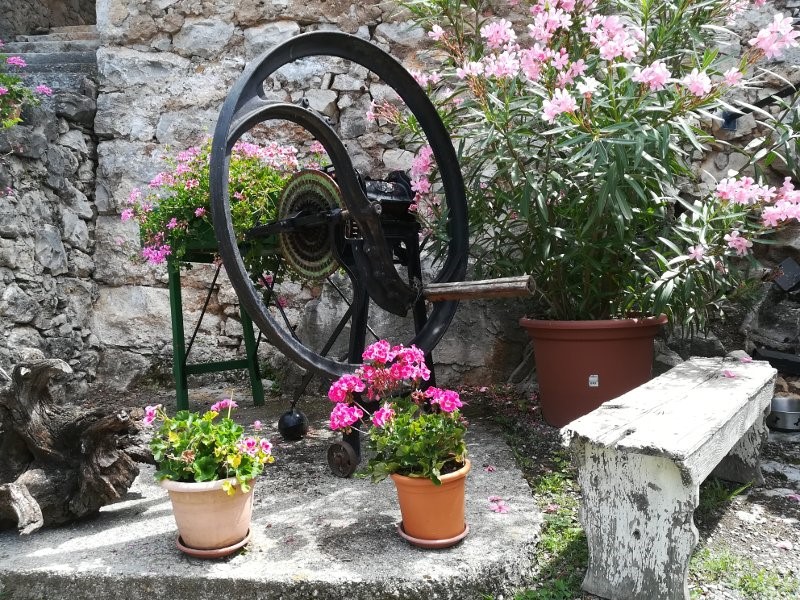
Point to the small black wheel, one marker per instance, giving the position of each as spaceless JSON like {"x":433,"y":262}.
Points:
{"x":342,"y":459}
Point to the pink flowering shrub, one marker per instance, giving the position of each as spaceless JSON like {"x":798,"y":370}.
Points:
{"x":174,"y":212}
{"x":577,"y":122}
{"x":413,"y":432}
{"x":193,"y":447}
{"x":13,"y":94}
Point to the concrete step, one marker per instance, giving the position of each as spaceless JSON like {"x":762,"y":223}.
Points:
{"x":58,"y":37}
{"x":40,"y":47}
{"x":313,"y":535}
{"x":57,"y":80}
{"x":58,"y":58}
{"x":74,"y":29}
{"x":86,"y":68}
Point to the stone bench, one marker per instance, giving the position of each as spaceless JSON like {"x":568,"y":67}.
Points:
{"x":641,"y":458}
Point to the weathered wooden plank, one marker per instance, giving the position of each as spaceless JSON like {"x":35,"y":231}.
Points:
{"x":502,"y":287}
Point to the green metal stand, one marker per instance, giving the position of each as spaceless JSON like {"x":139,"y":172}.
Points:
{"x":181,"y":370}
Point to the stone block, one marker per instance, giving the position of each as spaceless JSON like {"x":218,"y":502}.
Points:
{"x":396,"y":159}
{"x":323,"y":101}
{"x":49,"y":250}
{"x":75,"y":231}
{"x":202,"y":37}
{"x":17,"y":306}
{"x":261,"y":38}
{"x":75,"y":107}
{"x":123,"y":68}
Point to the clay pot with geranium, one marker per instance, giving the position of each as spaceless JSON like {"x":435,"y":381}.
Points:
{"x":209,"y":467}
{"x":582,"y":125}
{"x":414,"y":435}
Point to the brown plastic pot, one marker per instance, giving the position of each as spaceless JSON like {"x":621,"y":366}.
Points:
{"x":581,"y":364}
{"x":207,"y":517}
{"x":433,"y":515}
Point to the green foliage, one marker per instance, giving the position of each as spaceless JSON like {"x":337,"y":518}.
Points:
{"x":192,"y":447}
{"x":592,"y":203}
{"x":13,"y":94}
{"x":716,"y":494}
{"x":757,"y":583}
{"x":417,"y":442}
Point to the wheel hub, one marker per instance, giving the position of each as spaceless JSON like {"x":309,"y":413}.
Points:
{"x":308,"y":250}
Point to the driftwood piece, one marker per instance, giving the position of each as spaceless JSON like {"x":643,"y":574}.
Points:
{"x":61,"y":460}
{"x":503,"y":287}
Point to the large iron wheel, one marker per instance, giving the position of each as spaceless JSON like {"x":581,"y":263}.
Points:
{"x":375,"y":279}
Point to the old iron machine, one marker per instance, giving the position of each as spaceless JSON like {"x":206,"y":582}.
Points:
{"x":335,"y":221}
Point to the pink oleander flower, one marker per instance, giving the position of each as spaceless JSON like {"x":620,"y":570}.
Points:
{"x":729,"y":374}
{"x":423,"y":163}
{"x":776,"y":37}
{"x":654,"y":76}
{"x":382,"y":416}
{"x":470,"y":69}
{"x":588,"y":86}
{"x":436,"y":33}
{"x":218,"y":407}
{"x":560,"y":103}
{"x":421,"y":186}
{"x":697,"y":83}
{"x":150,"y":414}
{"x":498,"y":34}
{"x":732,"y":77}
{"x":737,"y":242}
{"x":199,"y":211}
{"x":502,"y":66}
{"x":697,"y":252}
{"x":43,"y":90}
{"x":16,"y":61}
{"x":344,"y":415}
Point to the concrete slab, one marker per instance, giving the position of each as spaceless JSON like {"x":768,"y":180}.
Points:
{"x":313,"y":536}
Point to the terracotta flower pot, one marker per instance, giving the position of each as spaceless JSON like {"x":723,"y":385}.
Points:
{"x":433,"y":515}
{"x":210,"y":522}
{"x":581,"y":364}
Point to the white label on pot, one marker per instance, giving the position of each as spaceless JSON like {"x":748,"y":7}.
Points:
{"x":594,"y":380}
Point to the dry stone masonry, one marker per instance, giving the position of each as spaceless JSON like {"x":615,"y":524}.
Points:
{"x":163,"y":67}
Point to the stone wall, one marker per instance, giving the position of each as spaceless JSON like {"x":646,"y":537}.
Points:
{"x":47,"y":233}
{"x":29,"y":16}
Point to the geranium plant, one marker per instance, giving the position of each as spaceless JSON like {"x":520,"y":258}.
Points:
{"x":174,"y":213}
{"x":191,"y":447}
{"x":411,"y":431}
{"x":13,"y":93}
{"x":579,"y":125}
